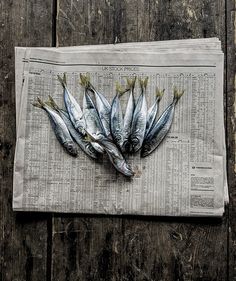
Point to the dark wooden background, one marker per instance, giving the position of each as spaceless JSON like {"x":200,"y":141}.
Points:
{"x":80,"y":247}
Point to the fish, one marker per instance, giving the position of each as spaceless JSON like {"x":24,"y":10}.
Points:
{"x":79,"y":138}
{"x":161,"y":127}
{"x":139,"y":119}
{"x":153,"y":111}
{"x":73,"y":108}
{"x":92,"y":120}
{"x":115,"y":156}
{"x":116,"y":117}
{"x":128,"y":117}
{"x":59,"y":127}
{"x":102,"y":105}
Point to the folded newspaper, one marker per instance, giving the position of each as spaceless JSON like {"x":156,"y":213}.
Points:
{"x":185,"y":176}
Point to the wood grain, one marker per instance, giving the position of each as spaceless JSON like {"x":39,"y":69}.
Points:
{"x":134,"y":248}
{"x":231,"y":129}
{"x":23,"y":237}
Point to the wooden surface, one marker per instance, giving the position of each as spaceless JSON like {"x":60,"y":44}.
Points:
{"x":85,"y":247}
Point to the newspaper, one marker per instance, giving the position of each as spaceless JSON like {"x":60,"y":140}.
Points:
{"x":185,"y":176}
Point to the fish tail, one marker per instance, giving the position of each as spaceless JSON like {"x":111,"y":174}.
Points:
{"x":52,"y":103}
{"x":159,"y":93}
{"x":39,"y":103}
{"x":83,"y":80}
{"x":143,"y":83}
{"x":120,"y":90}
{"x":131,"y":83}
{"x":177,"y":94}
{"x":62,"y":80}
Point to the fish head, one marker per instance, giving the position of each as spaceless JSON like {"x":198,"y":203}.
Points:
{"x":135,"y":145}
{"x":146,"y":150}
{"x":71,"y":148}
{"x":126,"y":146}
{"x":124,"y":167}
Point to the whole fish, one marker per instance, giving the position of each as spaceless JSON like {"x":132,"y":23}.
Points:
{"x":73,"y":108}
{"x":153,"y":111}
{"x":139,"y":119}
{"x":114,"y":154}
{"x":93,"y":123}
{"x":161,"y":127}
{"x":116,"y":117}
{"x":76,"y":135}
{"x":60,"y":129}
{"x":102,"y":105}
{"x":128,"y":117}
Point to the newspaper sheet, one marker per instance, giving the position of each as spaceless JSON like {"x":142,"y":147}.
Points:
{"x":184,"y":177}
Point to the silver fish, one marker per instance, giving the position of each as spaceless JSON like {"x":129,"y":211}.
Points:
{"x":102,"y":105}
{"x":161,"y":128}
{"x":73,"y":108}
{"x":60,"y":129}
{"x":116,"y":117}
{"x":139,"y":118}
{"x":114,"y":154}
{"x":93,"y":123}
{"x":128,"y":117}
{"x":76,"y":135}
{"x":153,"y":111}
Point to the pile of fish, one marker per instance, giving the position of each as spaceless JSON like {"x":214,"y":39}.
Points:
{"x":100,"y":127}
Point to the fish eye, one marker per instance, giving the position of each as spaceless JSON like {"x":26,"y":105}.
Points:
{"x":135,"y":141}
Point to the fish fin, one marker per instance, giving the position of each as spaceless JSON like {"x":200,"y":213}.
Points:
{"x":177,"y":94}
{"x":62,"y":80}
{"x":39,"y":103}
{"x":159,"y":93}
{"x":88,"y":137}
{"x":131,"y":83}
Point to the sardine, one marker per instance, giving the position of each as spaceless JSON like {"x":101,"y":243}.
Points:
{"x":128,"y":117}
{"x":59,"y":127}
{"x":102,"y":105}
{"x":73,"y":108}
{"x":161,"y":127}
{"x":116,"y":118}
{"x":116,"y":157}
{"x":153,"y":111}
{"x":91,"y":118}
{"x":139,"y":119}
{"x":76,"y":135}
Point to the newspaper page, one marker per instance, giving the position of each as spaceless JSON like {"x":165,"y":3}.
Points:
{"x":209,"y":44}
{"x":183,"y":177}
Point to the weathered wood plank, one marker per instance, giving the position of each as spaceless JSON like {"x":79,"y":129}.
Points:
{"x":23,"y":237}
{"x":231,"y":125}
{"x":133,"y":248}
{"x":183,"y":251}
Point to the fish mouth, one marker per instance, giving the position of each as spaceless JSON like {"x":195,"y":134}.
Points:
{"x":144,"y":153}
{"x":73,"y":152}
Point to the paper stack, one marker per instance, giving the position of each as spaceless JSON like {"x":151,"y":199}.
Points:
{"x":185,"y":176}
